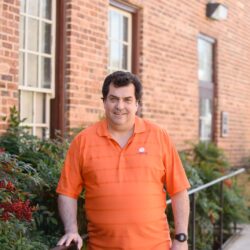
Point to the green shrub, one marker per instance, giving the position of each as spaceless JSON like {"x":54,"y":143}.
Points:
{"x":204,"y":163}
{"x":17,"y":227}
{"x":32,"y":166}
{"x":35,"y":169}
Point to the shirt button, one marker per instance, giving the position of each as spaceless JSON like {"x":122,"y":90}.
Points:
{"x":141,"y":150}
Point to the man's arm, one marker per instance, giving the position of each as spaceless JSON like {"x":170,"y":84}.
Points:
{"x":180,"y":206}
{"x":68,"y":211}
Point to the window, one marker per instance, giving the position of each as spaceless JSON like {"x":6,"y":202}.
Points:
{"x":206,"y":86}
{"x":120,"y":39}
{"x":36,"y":61}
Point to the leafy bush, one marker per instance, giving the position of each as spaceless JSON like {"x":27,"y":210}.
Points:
{"x":33,"y":166}
{"x":204,"y":163}
{"x":29,"y":173}
{"x":17,"y":227}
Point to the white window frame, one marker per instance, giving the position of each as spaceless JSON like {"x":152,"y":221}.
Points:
{"x":125,"y":11}
{"x":49,"y":92}
{"x":203,"y":120}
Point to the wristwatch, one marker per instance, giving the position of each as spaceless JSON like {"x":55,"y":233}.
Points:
{"x":181,"y":237}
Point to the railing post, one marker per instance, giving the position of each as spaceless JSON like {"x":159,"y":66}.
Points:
{"x":235,"y":227}
{"x":193,"y":208}
{"x":221,"y":215}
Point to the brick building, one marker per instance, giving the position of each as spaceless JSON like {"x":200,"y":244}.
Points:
{"x":195,"y":70}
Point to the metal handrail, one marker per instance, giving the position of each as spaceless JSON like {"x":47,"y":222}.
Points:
{"x":211,"y":183}
{"x":192,"y":193}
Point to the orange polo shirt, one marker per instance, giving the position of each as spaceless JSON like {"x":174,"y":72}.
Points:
{"x":125,"y":200}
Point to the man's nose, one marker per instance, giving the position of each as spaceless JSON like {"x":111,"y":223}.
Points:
{"x":120,"y":104}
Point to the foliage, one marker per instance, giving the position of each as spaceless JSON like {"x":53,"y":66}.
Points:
{"x":17,"y":227}
{"x":29,"y":173}
{"x":33,"y":166}
{"x":204,"y":163}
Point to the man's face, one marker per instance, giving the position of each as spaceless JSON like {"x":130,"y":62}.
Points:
{"x":120,"y":106}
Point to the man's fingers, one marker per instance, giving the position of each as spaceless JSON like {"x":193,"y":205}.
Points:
{"x":62,"y":241}
{"x":68,"y":241}
{"x":79,"y":242}
{"x":68,"y":238}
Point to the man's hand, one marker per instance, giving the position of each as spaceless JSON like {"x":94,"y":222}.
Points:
{"x":68,"y":238}
{"x":179,"y":245}
{"x":68,"y":211}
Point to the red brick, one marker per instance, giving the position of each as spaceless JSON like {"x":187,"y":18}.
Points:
{"x":167,"y":65}
{"x":9,"y":40}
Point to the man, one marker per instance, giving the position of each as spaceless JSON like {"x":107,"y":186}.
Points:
{"x":125,"y":164}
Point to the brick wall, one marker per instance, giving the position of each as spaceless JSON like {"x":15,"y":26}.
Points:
{"x":169,"y":72}
{"x":161,"y":56}
{"x":167,"y":65}
{"x":9,"y":45}
{"x":233,"y":78}
{"x":86,"y":60}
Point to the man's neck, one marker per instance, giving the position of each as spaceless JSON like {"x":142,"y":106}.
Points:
{"x":121,"y":134}
{"x":121,"y":130}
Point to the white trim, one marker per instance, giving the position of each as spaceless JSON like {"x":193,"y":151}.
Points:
{"x":122,"y":6}
{"x":48,"y":92}
{"x":37,"y":18}
{"x":37,"y":53}
{"x":34,"y":89}
{"x":39,"y":48}
{"x":206,"y":38}
{"x":53,"y":47}
{"x":121,"y":42}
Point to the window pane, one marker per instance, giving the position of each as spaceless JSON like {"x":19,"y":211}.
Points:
{"x":205,"y":60}
{"x":33,"y":8}
{"x":26,"y":106}
{"x":23,"y":5}
{"x":32,"y":66}
{"x":46,"y":9}
{"x":114,"y":55}
{"x":46,"y":72}
{"x":115,"y":21}
{"x":32,"y":34}
{"x":41,"y":132}
{"x":205,"y":119}
{"x":21,"y":67}
{"x":125,"y":57}
{"x":22,"y":32}
{"x":125,"y":29}
{"x":40,"y":108}
{"x":46,"y":38}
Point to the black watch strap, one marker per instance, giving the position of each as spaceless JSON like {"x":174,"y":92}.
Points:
{"x":181,"y":237}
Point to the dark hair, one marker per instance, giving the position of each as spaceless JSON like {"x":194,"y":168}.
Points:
{"x":120,"y":79}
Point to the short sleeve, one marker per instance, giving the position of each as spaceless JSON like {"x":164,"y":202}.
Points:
{"x":176,"y":179}
{"x":71,"y":181}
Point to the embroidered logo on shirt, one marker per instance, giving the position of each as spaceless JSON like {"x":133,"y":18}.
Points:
{"x":141,"y":150}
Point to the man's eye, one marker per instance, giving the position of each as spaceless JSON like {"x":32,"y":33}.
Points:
{"x":128,"y":100}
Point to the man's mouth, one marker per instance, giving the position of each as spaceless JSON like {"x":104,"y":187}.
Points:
{"x":119,"y":114}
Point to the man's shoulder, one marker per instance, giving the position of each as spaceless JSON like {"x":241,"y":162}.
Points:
{"x":151,"y":126}
{"x":89,"y":131}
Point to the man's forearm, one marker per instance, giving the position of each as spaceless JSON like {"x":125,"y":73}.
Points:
{"x":68,"y":212}
{"x":180,"y":206}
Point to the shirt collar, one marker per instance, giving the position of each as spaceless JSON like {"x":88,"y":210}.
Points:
{"x":102,"y":129}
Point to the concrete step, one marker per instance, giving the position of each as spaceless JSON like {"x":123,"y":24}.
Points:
{"x":241,"y":241}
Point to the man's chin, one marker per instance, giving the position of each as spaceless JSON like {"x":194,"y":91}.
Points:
{"x":119,"y":121}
